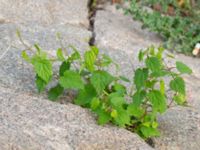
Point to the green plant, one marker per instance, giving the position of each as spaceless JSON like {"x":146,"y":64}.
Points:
{"x":104,"y":93}
{"x":178,"y":25}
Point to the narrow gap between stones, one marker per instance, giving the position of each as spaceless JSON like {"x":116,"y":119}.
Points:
{"x":92,"y":10}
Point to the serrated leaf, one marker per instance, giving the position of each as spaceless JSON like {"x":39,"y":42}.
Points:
{"x":123,"y":118}
{"x":158,"y":100}
{"x":117,"y":101}
{"x":180,"y":99}
{"x":75,"y":55}
{"x":153,"y":63}
{"x":182,"y":68}
{"x":138,"y":97}
{"x":114,"y":113}
{"x":60,"y":55}
{"x":71,"y":80}
{"x":40,"y":84}
{"x":100,"y":80}
{"x":42,"y":67}
{"x":94,"y":103}
{"x":135,"y":111}
{"x":64,"y":67}
{"x":90,"y":58}
{"x":149,"y":131}
{"x":140,"y":77}
{"x":85,"y":95}
{"x":119,"y":88}
{"x":55,"y":92}
{"x":178,"y":85}
{"x":103,"y":117}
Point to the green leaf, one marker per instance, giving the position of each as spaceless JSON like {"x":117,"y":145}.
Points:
{"x":71,"y":80}
{"x":140,"y":77}
{"x":153,"y":63}
{"x":180,"y":99}
{"x":178,"y":85}
{"x":114,"y":113}
{"x":100,"y":80}
{"x":75,"y":55}
{"x":55,"y":92}
{"x":141,"y":55}
{"x":94,"y":103}
{"x":25,"y":56}
{"x":85,"y":95}
{"x":117,"y":101}
{"x":149,"y":131}
{"x":42,"y":67}
{"x":119,"y":88}
{"x":103,"y":117}
{"x":122,"y":118}
{"x":124,"y":79}
{"x":64,"y":67}
{"x":182,"y":68}
{"x":135,"y":111}
{"x":90,"y":58}
{"x":162,"y":87}
{"x":40,"y":84}
{"x":138,"y":97}
{"x":60,"y":55}
{"x":158,"y":100}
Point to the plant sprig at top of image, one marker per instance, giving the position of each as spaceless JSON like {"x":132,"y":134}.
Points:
{"x":177,"y":21}
{"x":105,"y":93}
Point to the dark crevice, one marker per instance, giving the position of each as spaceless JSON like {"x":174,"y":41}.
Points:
{"x":150,"y":142}
{"x":92,"y":8}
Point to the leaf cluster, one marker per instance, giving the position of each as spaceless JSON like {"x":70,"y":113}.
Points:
{"x":106,"y":94}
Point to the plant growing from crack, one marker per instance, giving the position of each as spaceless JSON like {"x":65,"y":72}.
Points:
{"x":105,"y":93}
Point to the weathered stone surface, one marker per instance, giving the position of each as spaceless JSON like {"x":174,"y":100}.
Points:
{"x":115,"y":30}
{"x":14,"y":71}
{"x":30,"y":123}
{"x":44,"y":12}
{"x":180,"y":130}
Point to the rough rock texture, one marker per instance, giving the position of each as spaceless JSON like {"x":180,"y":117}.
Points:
{"x":14,"y":71}
{"x":30,"y":123}
{"x":44,"y":12}
{"x":179,"y":126}
{"x":180,"y":130}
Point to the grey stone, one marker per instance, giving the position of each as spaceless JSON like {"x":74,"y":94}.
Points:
{"x":180,"y":130}
{"x":115,"y":30}
{"x":14,"y":71}
{"x":27,"y":122}
{"x":44,"y":12}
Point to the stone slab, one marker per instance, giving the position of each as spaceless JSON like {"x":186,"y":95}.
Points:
{"x":27,"y":122}
{"x":44,"y":12}
{"x":180,"y":130}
